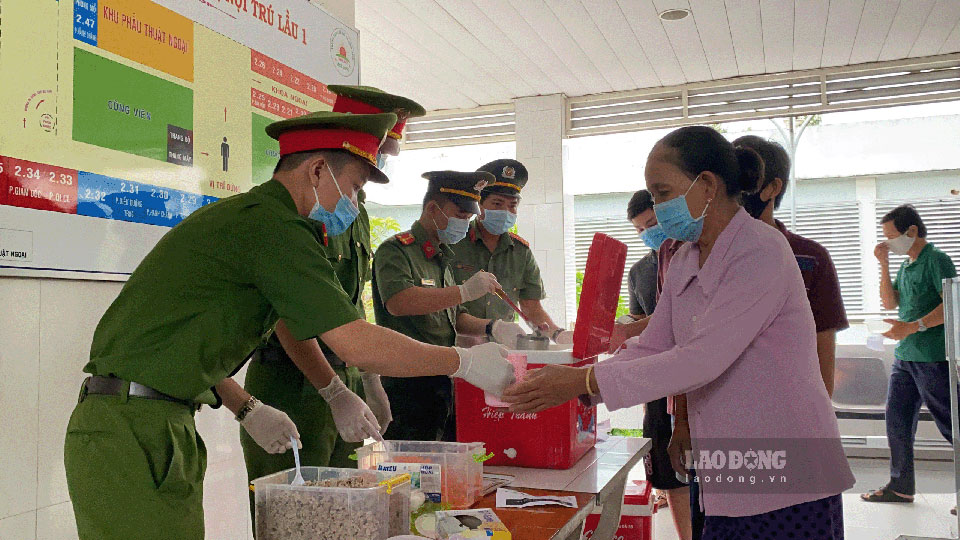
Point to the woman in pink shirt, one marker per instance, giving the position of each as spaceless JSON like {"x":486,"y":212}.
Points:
{"x":734,"y":331}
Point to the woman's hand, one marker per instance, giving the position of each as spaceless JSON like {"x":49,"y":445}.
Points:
{"x":546,"y":387}
{"x":680,"y":447}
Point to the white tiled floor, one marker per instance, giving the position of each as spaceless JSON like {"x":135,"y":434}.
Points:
{"x":928,"y":516}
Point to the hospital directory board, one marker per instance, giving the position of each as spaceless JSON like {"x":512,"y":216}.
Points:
{"x":118,"y":118}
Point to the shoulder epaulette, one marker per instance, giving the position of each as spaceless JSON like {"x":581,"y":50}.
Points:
{"x":406,"y":238}
{"x":519,"y":239}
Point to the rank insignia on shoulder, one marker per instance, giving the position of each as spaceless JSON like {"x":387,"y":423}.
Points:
{"x":428,"y":283}
{"x":519,"y":239}
{"x":406,"y":238}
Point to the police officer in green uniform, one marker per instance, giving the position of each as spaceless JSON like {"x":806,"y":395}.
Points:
{"x":274,"y":378}
{"x":210,"y":291}
{"x":491,"y":247}
{"x":415,"y":293}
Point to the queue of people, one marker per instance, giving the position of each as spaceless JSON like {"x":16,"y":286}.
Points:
{"x":730,"y":343}
{"x":742,"y":340}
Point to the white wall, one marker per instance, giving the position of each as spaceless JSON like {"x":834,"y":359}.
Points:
{"x":45,"y":334}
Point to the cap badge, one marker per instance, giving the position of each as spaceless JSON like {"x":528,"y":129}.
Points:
{"x":480,"y":185}
{"x":509,"y":172}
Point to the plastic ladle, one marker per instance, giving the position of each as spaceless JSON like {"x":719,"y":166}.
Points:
{"x":298,"y":479}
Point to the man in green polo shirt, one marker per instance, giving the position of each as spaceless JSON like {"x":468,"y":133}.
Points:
{"x":213,"y":288}
{"x":273,"y":376}
{"x":920,"y":372}
{"x":415,"y":293}
{"x":490,"y":246}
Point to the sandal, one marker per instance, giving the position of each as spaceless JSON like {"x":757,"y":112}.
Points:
{"x":885,"y":494}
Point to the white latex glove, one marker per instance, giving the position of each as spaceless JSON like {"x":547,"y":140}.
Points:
{"x":270,"y":428}
{"x":505,"y":333}
{"x":355,"y":421}
{"x":564,"y":337}
{"x":377,"y":400}
{"x":486,"y":367}
{"x":478,"y":285}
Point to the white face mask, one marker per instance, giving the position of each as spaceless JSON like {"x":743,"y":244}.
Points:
{"x":901,"y":245}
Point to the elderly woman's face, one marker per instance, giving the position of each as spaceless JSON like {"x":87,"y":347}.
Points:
{"x":666,"y":181}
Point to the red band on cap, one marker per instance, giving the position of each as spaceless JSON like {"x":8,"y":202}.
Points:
{"x":358,"y":143}
{"x":397,"y":131}
{"x":347,"y":105}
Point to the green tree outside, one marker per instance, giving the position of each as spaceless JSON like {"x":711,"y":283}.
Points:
{"x":381,"y":228}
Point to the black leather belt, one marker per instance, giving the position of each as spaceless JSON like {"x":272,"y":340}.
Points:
{"x":276,"y":355}
{"x":112,"y":386}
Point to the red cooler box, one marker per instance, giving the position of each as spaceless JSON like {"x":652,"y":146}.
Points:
{"x":559,"y":437}
{"x":636,"y":515}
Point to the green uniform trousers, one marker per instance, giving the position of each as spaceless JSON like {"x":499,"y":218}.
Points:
{"x":283,"y":386}
{"x":135,"y":469}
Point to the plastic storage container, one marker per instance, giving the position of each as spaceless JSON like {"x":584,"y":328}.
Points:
{"x":286,"y":512}
{"x":556,"y":438}
{"x":461,"y":466}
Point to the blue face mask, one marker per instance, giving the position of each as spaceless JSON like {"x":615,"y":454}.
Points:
{"x":338,"y":221}
{"x":498,"y":221}
{"x":455,"y":231}
{"x":653,"y":237}
{"x":381,"y":161}
{"x":675,"y":219}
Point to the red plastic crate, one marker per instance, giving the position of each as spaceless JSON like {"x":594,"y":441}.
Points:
{"x":636,"y":515}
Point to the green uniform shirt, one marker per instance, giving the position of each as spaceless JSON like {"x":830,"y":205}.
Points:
{"x":411,"y":260}
{"x":349,"y":255}
{"x":512,"y":262}
{"x":212,"y":289}
{"x":920,"y":285}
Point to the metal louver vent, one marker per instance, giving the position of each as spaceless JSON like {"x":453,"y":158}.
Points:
{"x":617,"y":227}
{"x":454,"y":128}
{"x":875,"y":85}
{"x":834,"y":226}
{"x":837,"y":228}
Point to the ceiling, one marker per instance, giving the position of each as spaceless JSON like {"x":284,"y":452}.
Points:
{"x":459,"y":54}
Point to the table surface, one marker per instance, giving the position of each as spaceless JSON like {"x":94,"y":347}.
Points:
{"x":594,"y":472}
{"x":590,"y":480}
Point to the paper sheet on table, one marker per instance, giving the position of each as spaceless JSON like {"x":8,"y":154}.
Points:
{"x":508,"y":498}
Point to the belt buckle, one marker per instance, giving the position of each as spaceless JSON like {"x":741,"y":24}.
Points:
{"x":83,"y":390}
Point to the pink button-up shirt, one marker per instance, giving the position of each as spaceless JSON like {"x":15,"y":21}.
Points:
{"x":738,"y":337}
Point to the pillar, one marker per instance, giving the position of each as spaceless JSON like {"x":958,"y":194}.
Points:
{"x":546,"y":211}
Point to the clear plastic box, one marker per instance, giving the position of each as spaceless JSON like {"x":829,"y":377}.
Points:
{"x":461,"y":466}
{"x":286,"y":512}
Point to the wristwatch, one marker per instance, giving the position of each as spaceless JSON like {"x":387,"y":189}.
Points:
{"x":247,"y":407}
{"x":489,"y":329}
{"x":920,"y":326}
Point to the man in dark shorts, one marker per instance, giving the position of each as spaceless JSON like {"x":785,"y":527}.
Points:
{"x":657,"y":424}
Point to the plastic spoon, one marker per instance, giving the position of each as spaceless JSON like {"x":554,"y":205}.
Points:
{"x":298,"y":479}
{"x":386,"y":446}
